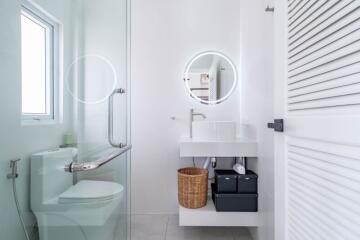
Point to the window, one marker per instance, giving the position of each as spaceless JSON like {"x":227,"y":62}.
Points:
{"x":38,"y":65}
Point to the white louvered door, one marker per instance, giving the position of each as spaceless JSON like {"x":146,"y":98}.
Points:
{"x":317,"y":89}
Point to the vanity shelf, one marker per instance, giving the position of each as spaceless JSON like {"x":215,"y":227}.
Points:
{"x":208,"y":216}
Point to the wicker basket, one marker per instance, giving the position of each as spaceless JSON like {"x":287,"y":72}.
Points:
{"x":192,"y":187}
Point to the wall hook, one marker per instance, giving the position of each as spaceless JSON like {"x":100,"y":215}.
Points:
{"x":269,"y":9}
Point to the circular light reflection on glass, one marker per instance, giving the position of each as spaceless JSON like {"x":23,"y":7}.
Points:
{"x":91,"y":79}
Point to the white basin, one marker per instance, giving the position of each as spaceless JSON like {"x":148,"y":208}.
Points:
{"x":216,"y":139}
{"x":214,"y":130}
{"x":231,"y":148}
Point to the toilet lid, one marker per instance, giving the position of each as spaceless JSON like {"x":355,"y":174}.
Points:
{"x":87,"y":191}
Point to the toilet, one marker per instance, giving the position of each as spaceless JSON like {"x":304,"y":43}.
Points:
{"x":87,"y":210}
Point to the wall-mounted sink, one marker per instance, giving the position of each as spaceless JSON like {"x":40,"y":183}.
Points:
{"x":216,"y":139}
{"x":235,"y":148}
{"x":214,"y":130}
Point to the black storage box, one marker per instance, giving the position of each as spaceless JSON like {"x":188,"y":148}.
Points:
{"x":234,"y":202}
{"x":226,"y":181}
{"x":229,"y":181}
{"x":247,"y":183}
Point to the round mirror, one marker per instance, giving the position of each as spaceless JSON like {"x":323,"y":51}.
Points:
{"x":210,"y":77}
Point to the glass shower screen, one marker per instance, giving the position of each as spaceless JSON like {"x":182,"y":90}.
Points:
{"x":96,"y":84}
{"x":96,"y":80}
{"x":64,"y":114}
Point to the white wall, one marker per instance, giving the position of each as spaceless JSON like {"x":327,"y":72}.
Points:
{"x":17,"y":141}
{"x":165,"y":35}
{"x":257,"y":105}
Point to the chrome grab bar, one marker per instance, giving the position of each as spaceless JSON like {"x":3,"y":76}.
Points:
{"x":87,"y":166}
{"x":121,"y":147}
{"x":111,"y":119}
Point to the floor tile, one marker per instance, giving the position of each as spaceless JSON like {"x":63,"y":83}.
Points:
{"x":166,"y":227}
{"x":175,"y":232}
{"x":148,"y":227}
{"x":194,"y":233}
{"x":241,"y":234}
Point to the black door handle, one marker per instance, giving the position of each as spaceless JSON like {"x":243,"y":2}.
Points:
{"x":278,"y":125}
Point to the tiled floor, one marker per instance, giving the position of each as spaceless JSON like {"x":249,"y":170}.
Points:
{"x":165,"y":227}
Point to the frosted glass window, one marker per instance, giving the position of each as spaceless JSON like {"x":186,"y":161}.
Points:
{"x":37,"y":66}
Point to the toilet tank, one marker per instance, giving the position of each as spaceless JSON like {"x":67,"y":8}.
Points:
{"x":48,"y":178}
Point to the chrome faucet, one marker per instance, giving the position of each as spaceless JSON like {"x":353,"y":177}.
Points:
{"x":192,"y":114}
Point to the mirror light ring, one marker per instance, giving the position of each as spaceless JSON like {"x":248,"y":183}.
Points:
{"x":194,"y":59}
{"x":107,"y":95}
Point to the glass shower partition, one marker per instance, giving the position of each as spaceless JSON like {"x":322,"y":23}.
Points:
{"x":96,"y":80}
{"x":74,"y":57}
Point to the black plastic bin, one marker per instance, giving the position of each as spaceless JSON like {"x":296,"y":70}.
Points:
{"x":234,"y":202}
{"x":226,"y":181}
{"x":247,"y":183}
{"x":229,"y":181}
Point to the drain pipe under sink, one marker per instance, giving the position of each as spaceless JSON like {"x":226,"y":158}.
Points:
{"x":209,"y":160}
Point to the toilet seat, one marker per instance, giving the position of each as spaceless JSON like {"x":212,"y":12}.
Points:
{"x":87,"y":191}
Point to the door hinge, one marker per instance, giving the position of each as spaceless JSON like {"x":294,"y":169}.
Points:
{"x":278,"y":125}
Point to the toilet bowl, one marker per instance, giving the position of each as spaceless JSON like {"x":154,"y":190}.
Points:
{"x":88,"y":210}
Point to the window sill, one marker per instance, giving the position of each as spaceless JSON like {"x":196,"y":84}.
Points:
{"x":41,"y":122}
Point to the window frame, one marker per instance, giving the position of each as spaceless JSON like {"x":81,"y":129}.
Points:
{"x":51,"y":26}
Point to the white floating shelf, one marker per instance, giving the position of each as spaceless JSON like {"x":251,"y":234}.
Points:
{"x":207,"y":216}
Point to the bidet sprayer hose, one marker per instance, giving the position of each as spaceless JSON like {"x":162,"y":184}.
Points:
{"x":13,"y":175}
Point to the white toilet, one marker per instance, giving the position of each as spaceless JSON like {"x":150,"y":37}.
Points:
{"x":88,"y":210}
